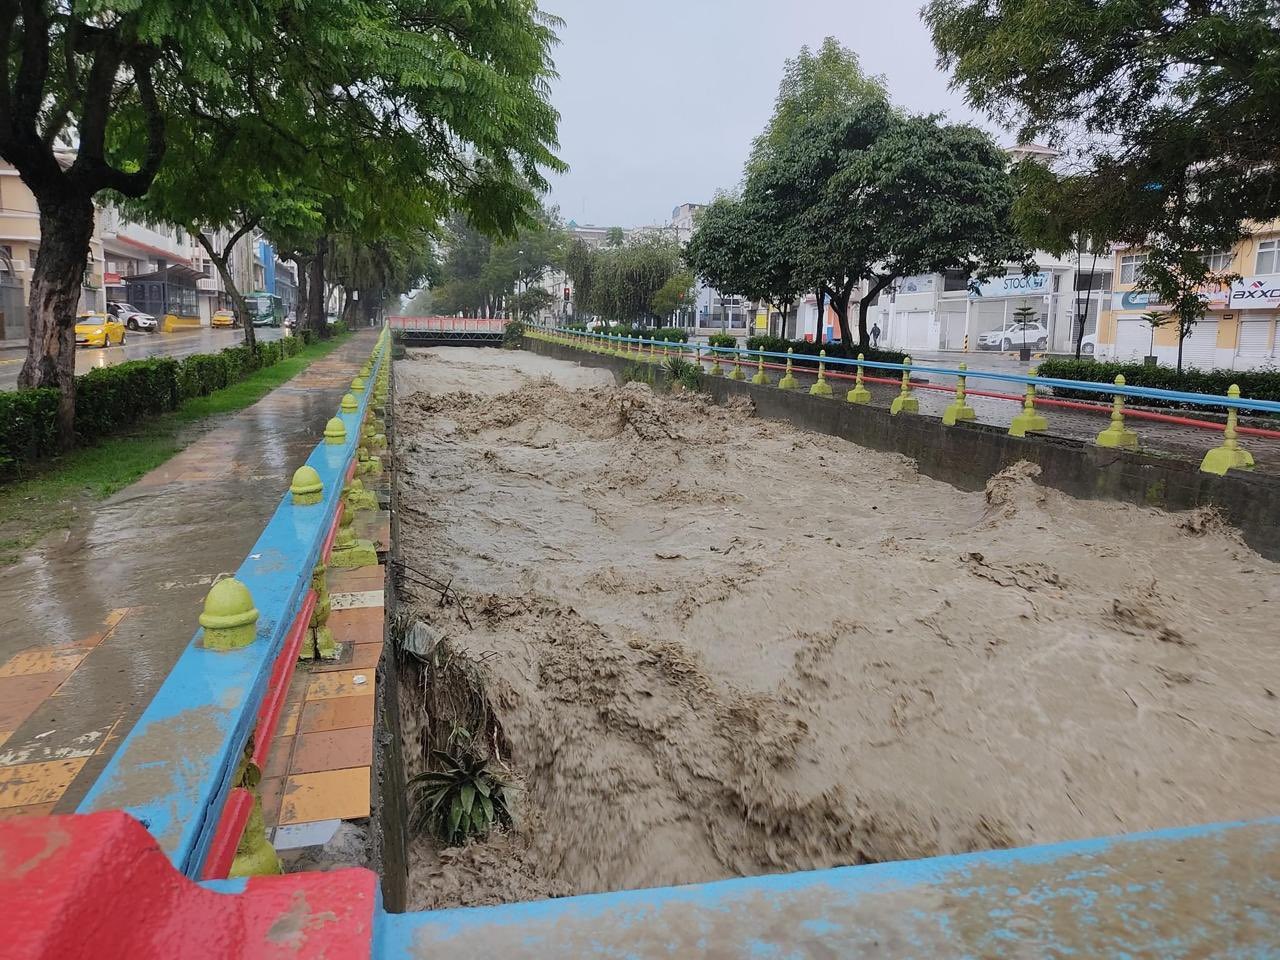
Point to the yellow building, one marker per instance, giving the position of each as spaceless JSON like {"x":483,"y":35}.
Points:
{"x":1238,"y":331}
{"x":19,"y":241}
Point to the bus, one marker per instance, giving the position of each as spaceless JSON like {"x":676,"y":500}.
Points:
{"x":265,"y":309}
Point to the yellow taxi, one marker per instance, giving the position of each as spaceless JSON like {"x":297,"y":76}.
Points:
{"x":98,"y":330}
{"x":222,"y":318}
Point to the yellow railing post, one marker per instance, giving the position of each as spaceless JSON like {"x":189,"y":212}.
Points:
{"x":1117,"y":434}
{"x":821,"y":388}
{"x":761,"y":377}
{"x":736,"y":373}
{"x":1229,"y":456}
{"x":859,"y":392}
{"x":905,"y":402}
{"x":788,"y":381}
{"x":1028,"y":421}
{"x":716,"y":370}
{"x":959,"y":408}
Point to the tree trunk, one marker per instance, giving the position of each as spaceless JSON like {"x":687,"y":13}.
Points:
{"x":864,"y":307}
{"x":315,"y":288}
{"x":841,"y":305}
{"x":66,"y":226}
{"x":224,"y":271}
{"x":302,"y":309}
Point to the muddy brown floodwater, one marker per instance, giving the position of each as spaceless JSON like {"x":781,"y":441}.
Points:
{"x":718,"y":645}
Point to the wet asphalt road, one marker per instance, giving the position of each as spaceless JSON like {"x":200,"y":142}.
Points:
{"x":139,"y":345}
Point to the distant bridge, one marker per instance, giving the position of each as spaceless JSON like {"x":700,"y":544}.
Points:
{"x":447,"y":331}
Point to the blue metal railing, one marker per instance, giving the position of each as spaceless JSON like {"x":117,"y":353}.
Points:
{"x":176,"y":767}
{"x":1181,"y":397}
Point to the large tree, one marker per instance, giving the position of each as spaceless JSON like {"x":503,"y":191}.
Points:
{"x":619,"y":283}
{"x":928,"y":197}
{"x":1164,"y":111}
{"x":739,"y":248}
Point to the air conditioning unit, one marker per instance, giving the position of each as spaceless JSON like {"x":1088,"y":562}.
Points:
{"x":206,"y":283}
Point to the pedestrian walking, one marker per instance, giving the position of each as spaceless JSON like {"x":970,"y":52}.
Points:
{"x":875,"y":335}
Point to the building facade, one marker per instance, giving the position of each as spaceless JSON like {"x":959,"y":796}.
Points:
{"x":19,"y":243}
{"x":1238,"y":331}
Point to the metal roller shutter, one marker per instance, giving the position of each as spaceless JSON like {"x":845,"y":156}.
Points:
{"x":1255,"y":347}
{"x":1201,"y":348}
{"x":1133,"y":338}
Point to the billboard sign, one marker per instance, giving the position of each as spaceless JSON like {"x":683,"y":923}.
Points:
{"x":1256,"y":293}
{"x":1014,"y":285}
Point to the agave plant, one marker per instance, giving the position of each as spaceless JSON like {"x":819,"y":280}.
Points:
{"x":464,"y":798}
{"x":677,"y":368}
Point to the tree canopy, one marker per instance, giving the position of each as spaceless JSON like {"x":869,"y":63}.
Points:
{"x":620,"y":283}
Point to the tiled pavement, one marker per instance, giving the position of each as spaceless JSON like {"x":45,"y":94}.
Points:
{"x":91,"y":625}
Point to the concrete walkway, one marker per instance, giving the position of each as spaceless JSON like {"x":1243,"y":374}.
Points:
{"x":90,"y":626}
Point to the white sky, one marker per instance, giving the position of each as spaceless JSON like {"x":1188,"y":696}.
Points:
{"x":660,"y":99}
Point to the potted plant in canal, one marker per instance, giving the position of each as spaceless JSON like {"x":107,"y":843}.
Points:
{"x":1024,"y":315}
{"x":1154,"y":319}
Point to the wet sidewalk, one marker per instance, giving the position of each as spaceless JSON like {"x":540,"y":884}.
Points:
{"x":92,"y":625}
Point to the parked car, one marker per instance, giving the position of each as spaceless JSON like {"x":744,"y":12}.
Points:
{"x":98,"y":330}
{"x":132,"y":317}
{"x":222,"y":318}
{"x":1015,"y":335}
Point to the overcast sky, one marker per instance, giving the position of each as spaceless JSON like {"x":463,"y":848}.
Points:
{"x":660,"y":99}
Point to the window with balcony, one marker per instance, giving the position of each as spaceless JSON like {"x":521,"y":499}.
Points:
{"x":1131,"y":266}
{"x":1268,"y":256}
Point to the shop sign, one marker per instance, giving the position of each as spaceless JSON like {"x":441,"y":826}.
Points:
{"x":1014,"y":285}
{"x":921,"y":284}
{"x":111,"y":279}
{"x":1256,"y":293}
{"x":1215,"y":299}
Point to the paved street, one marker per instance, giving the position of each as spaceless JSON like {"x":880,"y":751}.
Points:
{"x":138,"y":346}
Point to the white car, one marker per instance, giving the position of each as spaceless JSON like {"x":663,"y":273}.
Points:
{"x":131,"y":316}
{"x":1015,"y":335}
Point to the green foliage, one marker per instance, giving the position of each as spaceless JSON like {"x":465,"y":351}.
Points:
{"x":112,"y":398}
{"x":805,"y":350}
{"x":620,"y":283}
{"x":638,"y":373}
{"x":669,"y":334}
{"x":480,"y":276}
{"x":815,"y":83}
{"x":722,"y":340}
{"x":513,"y":334}
{"x":28,"y":426}
{"x":691,"y":376}
{"x":674,"y":296}
{"x":463,"y":798}
{"x":1254,"y":384}
{"x":679,"y":368}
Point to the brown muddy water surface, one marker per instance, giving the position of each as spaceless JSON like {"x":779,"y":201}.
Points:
{"x":720,"y":646}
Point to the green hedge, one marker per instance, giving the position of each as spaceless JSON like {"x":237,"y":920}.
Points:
{"x":722,"y":340}
{"x":807,"y":348}
{"x":111,"y":398}
{"x":669,"y":334}
{"x":1254,"y":384}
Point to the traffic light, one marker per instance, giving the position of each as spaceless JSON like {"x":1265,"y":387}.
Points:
{"x":566,"y":294}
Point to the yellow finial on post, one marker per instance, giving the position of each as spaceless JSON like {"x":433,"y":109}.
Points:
{"x":859,"y":392}
{"x":736,"y":373}
{"x":905,"y":401}
{"x":1117,"y":435}
{"x":761,"y":377}
{"x":959,"y":408}
{"x":788,"y":381}
{"x":716,"y":370}
{"x":1229,"y":456}
{"x":1028,"y":421}
{"x":821,"y":388}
